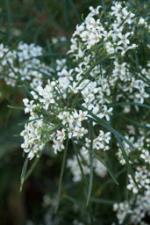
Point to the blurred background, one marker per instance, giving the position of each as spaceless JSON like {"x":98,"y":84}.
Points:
{"x":40,"y":22}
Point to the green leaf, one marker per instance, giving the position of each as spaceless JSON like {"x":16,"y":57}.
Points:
{"x":61,"y":175}
{"x":109,"y":170}
{"x":90,"y":185}
{"x":78,"y":160}
{"x":26,"y":174}
{"x":23,"y":173}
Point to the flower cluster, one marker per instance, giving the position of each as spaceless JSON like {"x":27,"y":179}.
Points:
{"x":114,"y":31}
{"x":136,"y":209}
{"x":22,"y":64}
{"x":97,"y":102}
{"x":50,"y":120}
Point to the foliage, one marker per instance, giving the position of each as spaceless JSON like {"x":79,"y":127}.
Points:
{"x":88,"y":112}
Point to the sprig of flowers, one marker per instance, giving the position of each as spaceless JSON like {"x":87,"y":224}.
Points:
{"x":104,"y":82}
{"x":22,"y":63}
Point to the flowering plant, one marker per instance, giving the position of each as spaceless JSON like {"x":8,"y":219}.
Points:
{"x":93,"y":106}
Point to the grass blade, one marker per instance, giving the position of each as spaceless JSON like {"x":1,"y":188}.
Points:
{"x":91,"y":164}
{"x":61,"y":176}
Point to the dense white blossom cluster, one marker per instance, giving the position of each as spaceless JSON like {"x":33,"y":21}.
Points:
{"x":114,"y":31}
{"x":93,"y":96}
{"x":22,"y":64}
{"x":104,"y":73}
{"x":136,"y":209}
{"x":128,"y":81}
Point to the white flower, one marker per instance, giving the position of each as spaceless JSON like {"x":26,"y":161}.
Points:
{"x":101,"y":142}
